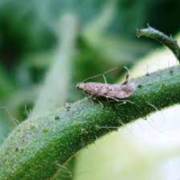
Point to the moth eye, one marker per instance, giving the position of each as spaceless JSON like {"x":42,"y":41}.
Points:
{"x":78,"y":86}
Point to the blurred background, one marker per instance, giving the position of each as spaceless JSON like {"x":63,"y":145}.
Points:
{"x":33,"y":39}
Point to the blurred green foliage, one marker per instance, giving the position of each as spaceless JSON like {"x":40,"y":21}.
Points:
{"x":29,"y":35}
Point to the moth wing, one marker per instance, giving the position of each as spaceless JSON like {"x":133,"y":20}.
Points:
{"x":125,"y":90}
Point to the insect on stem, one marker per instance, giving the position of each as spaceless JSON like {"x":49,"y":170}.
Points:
{"x":109,"y":91}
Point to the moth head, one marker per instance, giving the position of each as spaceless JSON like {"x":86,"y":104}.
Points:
{"x":80,"y":86}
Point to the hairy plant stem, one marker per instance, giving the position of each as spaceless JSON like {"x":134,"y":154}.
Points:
{"x":38,"y":147}
{"x":161,"y":38}
{"x":54,"y":92}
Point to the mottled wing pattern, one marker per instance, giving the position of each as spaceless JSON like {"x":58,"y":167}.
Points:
{"x":122,"y":91}
{"x":96,"y":89}
{"x":118,"y":91}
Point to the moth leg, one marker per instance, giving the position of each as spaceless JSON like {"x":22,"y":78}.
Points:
{"x":90,"y":97}
{"x":128,"y":101}
{"x":121,"y":100}
{"x":93,"y":98}
{"x":113,"y":98}
{"x":109,"y":99}
{"x":85,"y":93}
{"x":98,"y":102}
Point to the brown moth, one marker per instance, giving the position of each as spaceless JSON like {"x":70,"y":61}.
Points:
{"x":111,"y":91}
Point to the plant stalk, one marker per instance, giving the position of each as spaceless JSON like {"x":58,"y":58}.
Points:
{"x":38,"y":147}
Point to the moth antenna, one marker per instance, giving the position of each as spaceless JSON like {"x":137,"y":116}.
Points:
{"x":127,"y":79}
{"x":102,"y":74}
{"x":127,"y":75}
{"x":128,"y":71}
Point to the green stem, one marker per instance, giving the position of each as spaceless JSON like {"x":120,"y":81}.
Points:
{"x":161,"y":38}
{"x":37,"y":147}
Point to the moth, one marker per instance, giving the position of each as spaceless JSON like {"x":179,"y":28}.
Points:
{"x":109,"y":91}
